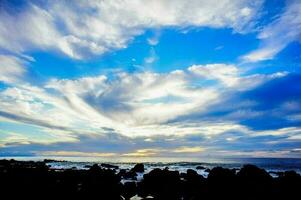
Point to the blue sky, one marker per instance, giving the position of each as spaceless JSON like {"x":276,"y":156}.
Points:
{"x":135,"y":78}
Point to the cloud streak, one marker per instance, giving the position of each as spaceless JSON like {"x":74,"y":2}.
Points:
{"x":278,"y":34}
{"x":202,"y":109}
{"x":54,"y":26}
{"x":119,"y":114}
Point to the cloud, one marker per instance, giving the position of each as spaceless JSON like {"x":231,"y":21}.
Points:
{"x":227,"y":74}
{"x":154,"y":40}
{"x":175,"y":113}
{"x":143,"y":153}
{"x":242,"y":143}
{"x":153,"y":57}
{"x":278,"y":34}
{"x":75,"y":153}
{"x":129,"y":103}
{"x":12,"y":69}
{"x":188,"y":150}
{"x":269,"y":103}
{"x":83,"y":29}
{"x":31,"y":28}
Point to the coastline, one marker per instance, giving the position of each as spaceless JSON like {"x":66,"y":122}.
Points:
{"x":114,"y":182}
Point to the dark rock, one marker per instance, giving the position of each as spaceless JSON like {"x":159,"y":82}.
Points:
{"x":129,"y":190}
{"x":193,"y":185}
{"x":256,"y":181}
{"x":220,"y":174}
{"x":122,"y":172}
{"x":138,"y":168}
{"x":273,"y":172}
{"x":191,"y":172}
{"x":220,"y":183}
{"x":88,"y":166}
{"x":129,"y":175}
{"x":207,"y":170}
{"x":95,"y":167}
{"x":183,"y":175}
{"x":253,"y":173}
{"x":51,"y":160}
{"x":287,"y":185}
{"x":34,"y":180}
{"x":162,"y":184}
{"x":200,"y":167}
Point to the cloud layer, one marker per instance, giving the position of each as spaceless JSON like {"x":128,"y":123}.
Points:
{"x":109,"y":25}
{"x":211,"y":109}
{"x":206,"y":108}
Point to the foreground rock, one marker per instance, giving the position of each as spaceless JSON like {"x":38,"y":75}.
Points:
{"x":161,"y":184}
{"x":138,"y":168}
{"x":109,"y":166}
{"x":35,"y":180}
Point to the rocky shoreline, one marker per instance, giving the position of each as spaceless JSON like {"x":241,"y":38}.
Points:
{"x":35,"y":180}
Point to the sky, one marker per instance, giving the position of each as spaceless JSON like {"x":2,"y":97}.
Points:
{"x":150,"y":78}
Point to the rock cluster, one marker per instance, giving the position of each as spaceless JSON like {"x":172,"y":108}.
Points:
{"x":35,"y":180}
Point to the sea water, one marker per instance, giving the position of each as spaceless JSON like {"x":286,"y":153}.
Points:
{"x":179,"y":164}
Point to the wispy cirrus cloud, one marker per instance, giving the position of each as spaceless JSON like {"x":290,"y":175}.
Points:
{"x":278,"y":34}
{"x":202,"y":109}
{"x":13,"y":69}
{"x":127,"y":103}
{"x":55,"y":24}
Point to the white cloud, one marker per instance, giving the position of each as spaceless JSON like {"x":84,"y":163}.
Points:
{"x":134,"y":99}
{"x":278,"y":34}
{"x":154,"y":40}
{"x":85,"y":28}
{"x":282,"y":131}
{"x":188,"y":149}
{"x":141,"y":104}
{"x":227,"y":74}
{"x":75,"y":154}
{"x":31,"y":28}
{"x":230,"y":76}
{"x":12,"y":69}
{"x":153,"y":57}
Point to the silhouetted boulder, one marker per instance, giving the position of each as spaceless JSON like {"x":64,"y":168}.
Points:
{"x":129,"y":175}
{"x":109,"y":166}
{"x":288,"y":185}
{"x":253,"y":173}
{"x":88,"y":166}
{"x":221,"y":182}
{"x":162,"y":184}
{"x":220,"y":174}
{"x":95,"y":168}
{"x":256,"y":181}
{"x":191,"y":172}
{"x":200,"y":167}
{"x":129,"y":190}
{"x":207,"y":170}
{"x":138,"y":168}
{"x":192,"y":185}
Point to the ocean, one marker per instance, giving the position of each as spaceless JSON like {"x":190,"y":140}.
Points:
{"x":180,"y":164}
